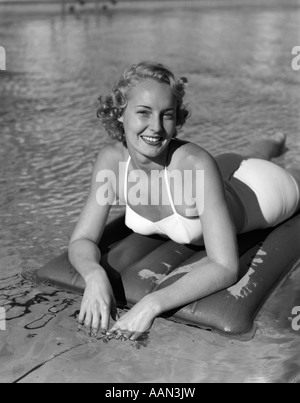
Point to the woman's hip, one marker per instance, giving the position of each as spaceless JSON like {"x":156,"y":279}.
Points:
{"x":268,"y":193}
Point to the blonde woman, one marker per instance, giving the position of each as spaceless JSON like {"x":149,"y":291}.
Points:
{"x":236,"y":194}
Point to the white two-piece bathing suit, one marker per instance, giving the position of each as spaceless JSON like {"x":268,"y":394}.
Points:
{"x":268,"y":194}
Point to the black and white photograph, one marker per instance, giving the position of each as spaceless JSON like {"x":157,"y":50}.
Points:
{"x":150,"y":194}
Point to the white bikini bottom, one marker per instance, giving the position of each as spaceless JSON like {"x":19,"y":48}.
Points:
{"x":276,"y":191}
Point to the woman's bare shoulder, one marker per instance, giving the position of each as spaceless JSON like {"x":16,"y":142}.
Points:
{"x":190,"y":155}
{"x":110,"y":156}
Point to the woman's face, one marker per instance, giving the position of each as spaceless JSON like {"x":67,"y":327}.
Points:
{"x":149,"y":119}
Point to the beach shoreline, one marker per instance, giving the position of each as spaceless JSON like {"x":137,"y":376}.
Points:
{"x":57,"y":6}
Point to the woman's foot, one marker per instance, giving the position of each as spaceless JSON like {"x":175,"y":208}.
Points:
{"x":268,"y":147}
{"x":279,"y":140}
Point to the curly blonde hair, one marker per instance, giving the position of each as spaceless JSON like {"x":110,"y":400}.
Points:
{"x":113,"y":105}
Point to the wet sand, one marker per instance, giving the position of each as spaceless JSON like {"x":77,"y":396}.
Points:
{"x":43,"y":344}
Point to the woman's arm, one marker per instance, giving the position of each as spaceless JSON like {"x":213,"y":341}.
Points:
{"x":220,"y":269}
{"x":84,"y":254}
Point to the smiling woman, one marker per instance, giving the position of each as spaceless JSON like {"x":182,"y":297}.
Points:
{"x":150,"y":117}
{"x":143,"y":112}
{"x":112,"y":106}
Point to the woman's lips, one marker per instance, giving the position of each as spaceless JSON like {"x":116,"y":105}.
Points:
{"x":152,"y":140}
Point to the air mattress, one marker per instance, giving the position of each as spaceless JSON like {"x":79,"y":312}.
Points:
{"x":138,"y":265}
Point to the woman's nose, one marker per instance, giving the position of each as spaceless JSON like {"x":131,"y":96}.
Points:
{"x":156,"y":124}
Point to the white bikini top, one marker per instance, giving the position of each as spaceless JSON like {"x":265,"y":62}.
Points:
{"x":176,"y":227}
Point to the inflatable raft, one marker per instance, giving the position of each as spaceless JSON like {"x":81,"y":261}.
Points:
{"x":138,"y":265}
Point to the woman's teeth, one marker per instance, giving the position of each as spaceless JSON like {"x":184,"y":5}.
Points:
{"x":152,"y":139}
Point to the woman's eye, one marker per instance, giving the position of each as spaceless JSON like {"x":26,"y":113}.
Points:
{"x":144,"y":113}
{"x":169,"y":116}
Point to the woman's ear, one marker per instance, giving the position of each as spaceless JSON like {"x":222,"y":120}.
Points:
{"x":120,"y":119}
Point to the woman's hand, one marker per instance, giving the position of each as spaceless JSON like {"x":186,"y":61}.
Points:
{"x":136,"y":321}
{"x":98,"y":303}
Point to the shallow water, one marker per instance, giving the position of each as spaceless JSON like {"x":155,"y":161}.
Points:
{"x":238,"y":62}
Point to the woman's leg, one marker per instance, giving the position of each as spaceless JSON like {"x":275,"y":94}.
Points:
{"x":295,"y":173}
{"x":266,"y":148}
{"x":245,"y":206}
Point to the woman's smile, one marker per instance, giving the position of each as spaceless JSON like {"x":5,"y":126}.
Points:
{"x":150,"y":117}
{"x":152,"y":140}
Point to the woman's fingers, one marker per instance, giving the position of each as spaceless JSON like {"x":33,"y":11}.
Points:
{"x":81,"y":316}
{"x":82,"y":313}
{"x":114,"y":331}
{"x":95,"y":320}
{"x":96,"y":317}
{"x":135,"y":335}
{"x":119,"y":333}
{"x":105,"y":315}
{"x":88,"y":319}
{"x":114,"y":311}
{"x":127,"y":334}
